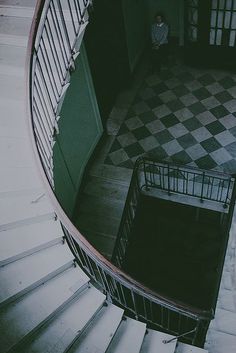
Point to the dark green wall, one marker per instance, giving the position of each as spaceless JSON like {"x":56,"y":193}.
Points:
{"x":80,"y":129}
{"x":136,"y":26}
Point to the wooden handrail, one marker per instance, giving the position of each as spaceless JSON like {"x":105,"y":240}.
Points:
{"x":118,"y":274}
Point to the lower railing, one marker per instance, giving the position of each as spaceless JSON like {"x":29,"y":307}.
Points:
{"x":164,"y":179}
{"x":139,"y":302}
{"x":54,"y":42}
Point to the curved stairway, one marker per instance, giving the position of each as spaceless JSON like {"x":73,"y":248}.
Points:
{"x":47,"y":303}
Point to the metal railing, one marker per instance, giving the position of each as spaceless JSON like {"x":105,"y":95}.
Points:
{"x":55,"y":37}
{"x":202,"y":184}
{"x":151,"y":175}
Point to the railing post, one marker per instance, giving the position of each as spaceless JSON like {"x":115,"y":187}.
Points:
{"x":202,"y":188}
{"x":168,"y":178}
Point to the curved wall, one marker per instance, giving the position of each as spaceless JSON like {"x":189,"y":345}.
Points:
{"x":80,"y":129}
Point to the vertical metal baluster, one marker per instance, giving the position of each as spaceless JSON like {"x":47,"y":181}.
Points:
{"x":43,"y":104}
{"x":65,"y":30}
{"x":202,"y":188}
{"x":48,"y":29}
{"x":227,"y":194}
{"x":53,"y":88}
{"x":55,"y":57}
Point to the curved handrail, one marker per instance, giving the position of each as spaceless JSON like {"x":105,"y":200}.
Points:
{"x":102,"y":264}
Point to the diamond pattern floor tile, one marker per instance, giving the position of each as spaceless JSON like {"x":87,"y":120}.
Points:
{"x":185,"y":115}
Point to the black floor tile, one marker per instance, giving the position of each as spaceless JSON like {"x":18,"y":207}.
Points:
{"x":223,"y":97}
{"x":186,"y":141}
{"x":211,"y":145}
{"x":181,"y":157}
{"x":134,"y":150}
{"x":206,"y":79}
{"x":141,"y":132}
{"x":227,"y":82}
{"x":197,"y":108}
{"x":219,"y":111}
{"x":206,"y":162}
{"x":201,"y":93}
{"x":175,"y":105}
{"x":163,"y":137}
{"x":169,"y":120}
{"x":192,"y":124}
{"x":215,"y":127}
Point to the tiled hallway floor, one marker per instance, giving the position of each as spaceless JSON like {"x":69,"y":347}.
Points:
{"x":183,"y":114}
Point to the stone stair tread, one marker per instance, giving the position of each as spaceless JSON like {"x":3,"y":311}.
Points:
{"x":31,"y":311}
{"x":104,"y":243}
{"x":18,"y":3}
{"x":12,"y":119}
{"x":22,"y":241}
{"x":12,"y":86}
{"x":12,"y":56}
{"x":13,"y":39}
{"x":224,"y":321}
{"x":58,"y":335}
{"x":22,"y":205}
{"x":153,"y":343}
{"x":99,"y":334}
{"x":20,"y":26}
{"x":16,"y":11}
{"x":218,"y":342}
{"x":128,"y":338}
{"x":105,"y":189}
{"x":28,"y":272}
{"x":113,"y":173}
{"x":187,"y":348}
{"x":27,"y":178}
{"x":107,"y":225}
{"x":101,"y":207}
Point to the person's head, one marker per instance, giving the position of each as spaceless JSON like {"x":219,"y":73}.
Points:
{"x":159,"y":18}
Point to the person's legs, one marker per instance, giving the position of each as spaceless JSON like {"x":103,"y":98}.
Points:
{"x":163,"y":54}
{"x":155,"y":60}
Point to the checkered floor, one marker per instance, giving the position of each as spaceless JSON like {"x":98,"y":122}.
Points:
{"x":182,"y":114}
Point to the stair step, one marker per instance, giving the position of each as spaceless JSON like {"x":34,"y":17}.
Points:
{"x":93,"y":223}
{"x":104,"y":243}
{"x":97,"y":337}
{"x":101,"y":207}
{"x":23,"y":318}
{"x":12,"y":119}
{"x":153,"y":343}
{"x":128,"y":338}
{"x":18,"y":3}
{"x":12,"y":59}
{"x":19,"y":206}
{"x":187,"y":348}
{"x":17,"y":11}
{"x":59,"y":333}
{"x":25,"y":274}
{"x":9,"y":152}
{"x":10,"y":39}
{"x":23,"y":241}
{"x":112,"y":173}
{"x":12,"y":86}
{"x":220,"y":342}
{"x":18,"y":26}
{"x":106,"y":189}
{"x":224,"y":321}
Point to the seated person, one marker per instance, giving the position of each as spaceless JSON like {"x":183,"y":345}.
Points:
{"x":159,"y":37}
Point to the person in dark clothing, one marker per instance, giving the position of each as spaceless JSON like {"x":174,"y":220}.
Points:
{"x":159,"y":38}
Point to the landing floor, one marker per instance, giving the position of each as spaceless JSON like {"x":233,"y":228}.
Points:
{"x":183,"y":114}
{"x":176,"y":251}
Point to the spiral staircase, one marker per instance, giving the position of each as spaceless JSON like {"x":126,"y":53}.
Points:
{"x":47,"y":301}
